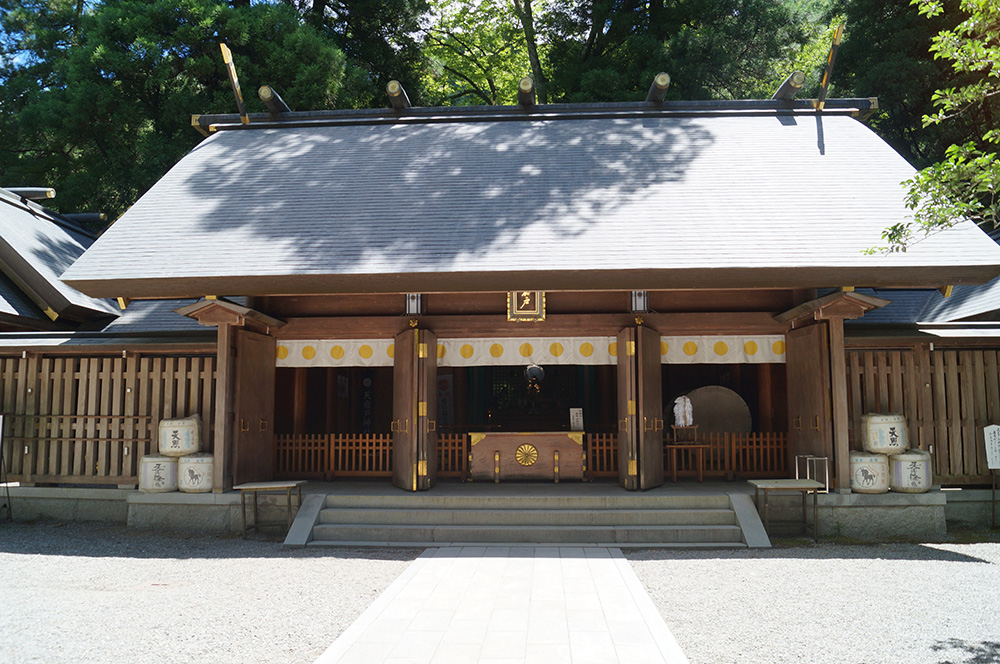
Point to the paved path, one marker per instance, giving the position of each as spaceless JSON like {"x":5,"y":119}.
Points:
{"x":511,"y":604}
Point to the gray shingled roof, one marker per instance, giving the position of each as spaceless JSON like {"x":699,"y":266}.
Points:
{"x":14,"y":303}
{"x":37,"y":249}
{"x":697,"y":201}
{"x":930,"y":306}
{"x":144,"y":316}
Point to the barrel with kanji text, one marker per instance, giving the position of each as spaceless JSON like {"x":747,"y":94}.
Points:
{"x":910,"y":472}
{"x":884,"y":433}
{"x":180,"y":437}
{"x":157,"y":474}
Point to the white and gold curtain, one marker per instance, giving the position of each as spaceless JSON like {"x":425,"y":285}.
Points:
{"x":516,"y":351}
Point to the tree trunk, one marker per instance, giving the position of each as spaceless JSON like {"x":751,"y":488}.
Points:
{"x":523,"y":10}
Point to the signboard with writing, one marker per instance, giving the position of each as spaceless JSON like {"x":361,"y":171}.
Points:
{"x":992,"y":436}
{"x":576,"y":419}
{"x":527,"y":306}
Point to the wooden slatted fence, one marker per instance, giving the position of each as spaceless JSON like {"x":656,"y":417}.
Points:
{"x":453,"y":454}
{"x":302,"y":456}
{"x":947,"y":396}
{"x":88,"y":420}
{"x":602,"y":454}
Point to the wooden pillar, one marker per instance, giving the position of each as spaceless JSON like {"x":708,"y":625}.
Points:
{"x":224,"y":414}
{"x":841,"y":422}
{"x":765,"y":398}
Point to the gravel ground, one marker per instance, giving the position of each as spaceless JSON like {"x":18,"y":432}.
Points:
{"x":95,"y":593}
{"x":843,"y":604}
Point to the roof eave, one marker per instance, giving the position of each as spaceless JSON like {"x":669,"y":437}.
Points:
{"x":440,"y":282}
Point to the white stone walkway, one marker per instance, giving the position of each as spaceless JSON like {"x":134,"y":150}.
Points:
{"x":510,"y":604}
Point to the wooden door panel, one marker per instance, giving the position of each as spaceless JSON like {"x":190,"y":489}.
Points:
{"x":404,"y":408}
{"x":807,"y":358}
{"x":650,"y":415}
{"x":427,"y":412}
{"x":253,"y":449}
{"x":627,"y":412}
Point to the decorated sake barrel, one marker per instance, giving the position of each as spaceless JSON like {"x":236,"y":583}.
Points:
{"x":180,"y":437}
{"x":194,"y":473}
{"x":910,"y":472}
{"x":157,"y":474}
{"x":869,"y":472}
{"x":884,"y":434}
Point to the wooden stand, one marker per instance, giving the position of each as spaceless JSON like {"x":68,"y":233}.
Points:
{"x":267,"y":487}
{"x":805,"y":487}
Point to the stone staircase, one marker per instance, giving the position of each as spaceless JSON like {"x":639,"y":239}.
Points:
{"x":424,"y":519}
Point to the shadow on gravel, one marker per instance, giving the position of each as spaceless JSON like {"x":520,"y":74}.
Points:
{"x":895,"y":551}
{"x":984,"y":652}
{"x":100,"y":540}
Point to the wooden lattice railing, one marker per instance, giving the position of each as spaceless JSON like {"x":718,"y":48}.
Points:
{"x":602,"y":454}
{"x":327,"y":456}
{"x":749,"y":455}
{"x":752,"y":455}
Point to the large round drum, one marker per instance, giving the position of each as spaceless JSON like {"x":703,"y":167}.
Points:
{"x":869,"y":472}
{"x":180,"y":437}
{"x":194,"y":473}
{"x":157,"y":474}
{"x":884,"y":434}
{"x":910,"y":472}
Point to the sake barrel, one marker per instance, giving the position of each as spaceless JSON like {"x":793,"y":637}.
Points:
{"x":194,"y":473}
{"x":884,"y":434}
{"x":869,"y":472}
{"x":910,"y":472}
{"x":157,"y":473}
{"x":180,"y":437}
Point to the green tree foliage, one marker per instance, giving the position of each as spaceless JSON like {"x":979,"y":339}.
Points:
{"x":966,"y":183}
{"x":475,"y":53}
{"x":380,"y":41}
{"x":98,"y":103}
{"x":609,"y":50}
{"x":885,"y":54}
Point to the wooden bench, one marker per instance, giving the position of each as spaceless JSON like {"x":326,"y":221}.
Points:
{"x":805,"y":487}
{"x":267,"y":487}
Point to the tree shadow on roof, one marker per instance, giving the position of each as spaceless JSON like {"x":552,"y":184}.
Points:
{"x":390,"y":198}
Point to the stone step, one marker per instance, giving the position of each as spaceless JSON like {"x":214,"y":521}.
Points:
{"x":548,"y":534}
{"x":621,"y":545}
{"x":422,"y":500}
{"x":531,"y":517}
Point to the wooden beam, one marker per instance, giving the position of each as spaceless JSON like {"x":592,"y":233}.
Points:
{"x":843,"y":304}
{"x":213,"y":311}
{"x":841,"y":421}
{"x":354,"y":327}
{"x":694,"y":278}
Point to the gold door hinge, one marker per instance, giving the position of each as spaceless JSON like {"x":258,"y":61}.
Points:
{"x":633,"y":467}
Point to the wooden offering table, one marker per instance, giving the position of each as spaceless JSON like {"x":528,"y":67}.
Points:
{"x":527,"y":456}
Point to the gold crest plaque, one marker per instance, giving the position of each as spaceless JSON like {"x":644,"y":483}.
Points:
{"x":526,"y":306}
